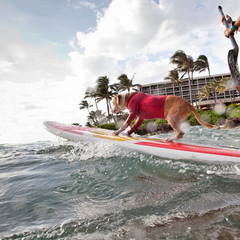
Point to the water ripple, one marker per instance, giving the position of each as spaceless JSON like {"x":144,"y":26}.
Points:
{"x":101,"y":191}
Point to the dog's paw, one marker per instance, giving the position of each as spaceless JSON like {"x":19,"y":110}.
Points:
{"x":168,"y":140}
{"x":125,"y":134}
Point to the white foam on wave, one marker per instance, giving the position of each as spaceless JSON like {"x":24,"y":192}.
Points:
{"x":91,"y":150}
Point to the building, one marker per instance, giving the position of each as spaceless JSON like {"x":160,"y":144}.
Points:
{"x":162,"y":88}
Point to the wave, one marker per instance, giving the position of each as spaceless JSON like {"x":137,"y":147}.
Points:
{"x":102,"y":191}
{"x":145,"y":223}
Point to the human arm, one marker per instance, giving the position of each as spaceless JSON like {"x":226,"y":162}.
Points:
{"x":237,"y":24}
{"x":233,"y":25}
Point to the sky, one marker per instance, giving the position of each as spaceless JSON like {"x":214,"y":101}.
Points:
{"x":52,"y":50}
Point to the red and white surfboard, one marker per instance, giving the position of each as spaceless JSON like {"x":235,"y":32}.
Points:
{"x":151,"y":146}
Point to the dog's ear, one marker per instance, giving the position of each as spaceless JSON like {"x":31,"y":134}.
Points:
{"x":118,"y":99}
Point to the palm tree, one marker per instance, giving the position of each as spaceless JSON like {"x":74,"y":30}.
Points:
{"x":91,"y":93}
{"x":102,"y":90}
{"x":115,"y":88}
{"x":201,"y":65}
{"x":85,"y":104}
{"x":184,"y":64}
{"x":218,"y":88}
{"x":92,"y":118}
{"x":100,"y":116}
{"x":205,"y":92}
{"x":96,"y":117}
{"x":173,"y":76}
{"x":224,"y":86}
{"x":126,"y":83}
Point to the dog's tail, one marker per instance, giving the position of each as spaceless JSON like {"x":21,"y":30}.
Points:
{"x":200,"y":120}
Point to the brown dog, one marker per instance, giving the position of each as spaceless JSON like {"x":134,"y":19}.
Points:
{"x":143,"y":106}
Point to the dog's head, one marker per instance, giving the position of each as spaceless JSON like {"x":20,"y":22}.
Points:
{"x":118,"y":103}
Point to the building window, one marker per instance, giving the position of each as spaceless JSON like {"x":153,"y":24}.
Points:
{"x":201,"y":81}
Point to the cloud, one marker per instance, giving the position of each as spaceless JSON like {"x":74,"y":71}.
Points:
{"x":71,"y":44}
{"x":5,"y":66}
{"x":89,"y":4}
{"x":80,"y":4}
{"x":25,"y":106}
{"x":148,"y":71}
{"x":125,"y":28}
{"x":25,"y":62}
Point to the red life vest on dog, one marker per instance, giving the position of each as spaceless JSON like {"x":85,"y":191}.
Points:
{"x":144,"y":106}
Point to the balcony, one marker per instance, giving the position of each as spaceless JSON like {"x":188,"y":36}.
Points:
{"x":154,"y":92}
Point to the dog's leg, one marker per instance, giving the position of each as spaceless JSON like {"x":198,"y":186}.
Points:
{"x":179,"y":133}
{"x":175,"y":117}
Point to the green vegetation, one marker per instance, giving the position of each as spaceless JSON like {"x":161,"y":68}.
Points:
{"x":109,"y":126}
{"x":233,"y":110}
{"x":208,"y":116}
{"x":160,"y":121}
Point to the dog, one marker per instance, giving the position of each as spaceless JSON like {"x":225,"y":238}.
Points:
{"x":173,"y":108}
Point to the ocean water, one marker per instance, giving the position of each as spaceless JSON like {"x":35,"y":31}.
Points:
{"x":64,"y":190}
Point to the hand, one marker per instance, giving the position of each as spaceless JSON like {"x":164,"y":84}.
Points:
{"x":116,"y":133}
{"x":228,"y":18}
{"x":228,"y":32}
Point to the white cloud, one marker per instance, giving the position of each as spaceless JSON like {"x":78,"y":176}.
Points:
{"x":5,"y":66}
{"x":125,"y":28}
{"x":25,"y":106}
{"x":147,"y":71}
{"x":19,"y":60}
{"x":71,"y":44}
{"x":92,"y":6}
{"x":83,"y":3}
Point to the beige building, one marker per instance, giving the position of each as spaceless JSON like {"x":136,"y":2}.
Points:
{"x":160,"y":88}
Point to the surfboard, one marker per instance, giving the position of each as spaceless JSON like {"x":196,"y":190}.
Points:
{"x":156,"y":147}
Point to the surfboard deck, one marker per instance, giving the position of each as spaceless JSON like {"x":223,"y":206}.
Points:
{"x":157,"y":147}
